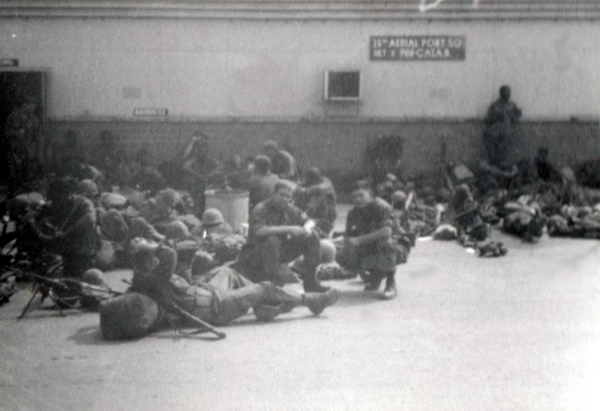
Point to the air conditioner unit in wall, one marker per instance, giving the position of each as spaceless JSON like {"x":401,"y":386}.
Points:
{"x":342,"y":85}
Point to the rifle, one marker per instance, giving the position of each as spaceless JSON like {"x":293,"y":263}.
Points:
{"x":169,"y":305}
{"x":44,"y":285}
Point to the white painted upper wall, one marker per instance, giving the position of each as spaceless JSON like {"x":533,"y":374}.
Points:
{"x":251,"y":68}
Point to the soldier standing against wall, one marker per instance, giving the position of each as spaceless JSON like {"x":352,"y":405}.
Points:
{"x":500,"y":120}
{"x":23,"y":137}
{"x":200,"y":169}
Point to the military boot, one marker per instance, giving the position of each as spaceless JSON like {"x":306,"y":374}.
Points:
{"x":317,"y":302}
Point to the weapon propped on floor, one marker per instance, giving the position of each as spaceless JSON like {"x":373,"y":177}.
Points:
{"x":169,"y":305}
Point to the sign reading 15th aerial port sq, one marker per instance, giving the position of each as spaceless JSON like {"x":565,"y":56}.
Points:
{"x":417,"y":48}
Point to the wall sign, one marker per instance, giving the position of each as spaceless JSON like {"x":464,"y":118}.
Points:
{"x":417,"y":48}
{"x":150,"y":112}
{"x":9,"y":62}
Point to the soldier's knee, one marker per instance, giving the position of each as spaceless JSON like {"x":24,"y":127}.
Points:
{"x":272,"y":241}
{"x":176,"y":230}
{"x":386,"y":245}
{"x":312,"y":239}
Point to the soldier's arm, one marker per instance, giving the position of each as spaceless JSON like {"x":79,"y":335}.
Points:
{"x":268,"y":231}
{"x":85,"y":223}
{"x":382,"y":233}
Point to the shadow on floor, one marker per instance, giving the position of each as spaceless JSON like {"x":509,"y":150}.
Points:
{"x":350,"y":298}
{"x":175,"y":336}
{"x":91,"y":335}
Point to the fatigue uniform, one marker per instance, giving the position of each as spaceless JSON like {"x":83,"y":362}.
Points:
{"x":197,"y":184}
{"x":382,"y":256}
{"x":227,"y":295}
{"x":571,"y":224}
{"x":118,"y":227}
{"x":148,"y":179}
{"x":319,"y":203}
{"x":77,"y":219}
{"x":284,"y":165}
{"x":523,"y":220}
{"x":22,"y":133}
{"x":261,"y":187}
{"x":500,"y":121}
{"x":260,"y":258}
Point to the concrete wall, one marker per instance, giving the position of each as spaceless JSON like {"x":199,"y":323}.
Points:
{"x":271,"y":69}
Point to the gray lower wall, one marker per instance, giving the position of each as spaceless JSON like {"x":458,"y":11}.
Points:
{"x":337,"y":147}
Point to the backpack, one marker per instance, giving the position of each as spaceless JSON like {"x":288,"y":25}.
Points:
{"x":128,"y":316}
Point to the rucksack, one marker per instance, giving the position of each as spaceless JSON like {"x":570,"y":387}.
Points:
{"x":128,"y":316}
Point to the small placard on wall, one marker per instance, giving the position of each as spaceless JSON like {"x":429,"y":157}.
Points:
{"x":417,"y":48}
{"x":9,"y":62}
{"x":150,"y":112}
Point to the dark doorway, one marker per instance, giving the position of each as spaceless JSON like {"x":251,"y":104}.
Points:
{"x":15,"y":88}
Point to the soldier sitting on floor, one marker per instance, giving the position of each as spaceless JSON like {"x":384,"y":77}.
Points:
{"x":316,"y":196}
{"x":279,"y":233}
{"x":67,"y":227}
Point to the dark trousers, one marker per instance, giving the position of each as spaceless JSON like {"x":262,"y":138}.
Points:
{"x":276,"y":251}
{"x":496,"y":147}
{"x":517,"y":223}
{"x":74,"y":265}
{"x":261,"y":261}
{"x":379,"y":258}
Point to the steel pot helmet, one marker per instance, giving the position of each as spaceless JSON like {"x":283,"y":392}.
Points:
{"x":328,"y":251}
{"x":87,"y":188}
{"x":169,"y":197}
{"x":211,"y":217}
{"x":398,"y":197}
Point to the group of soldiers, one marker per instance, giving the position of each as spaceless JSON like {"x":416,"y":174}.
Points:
{"x":151,"y":228}
{"x":182,"y":252}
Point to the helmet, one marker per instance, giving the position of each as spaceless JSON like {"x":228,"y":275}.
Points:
{"x":87,"y":188}
{"x":327,"y":251}
{"x":91,"y":298}
{"x":95,"y":277}
{"x":398,"y":197}
{"x":168,"y":196}
{"x":113,"y":200}
{"x":176,"y":230}
{"x":212,"y":216}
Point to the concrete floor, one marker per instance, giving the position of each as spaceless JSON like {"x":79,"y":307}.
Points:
{"x":520,"y":332}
